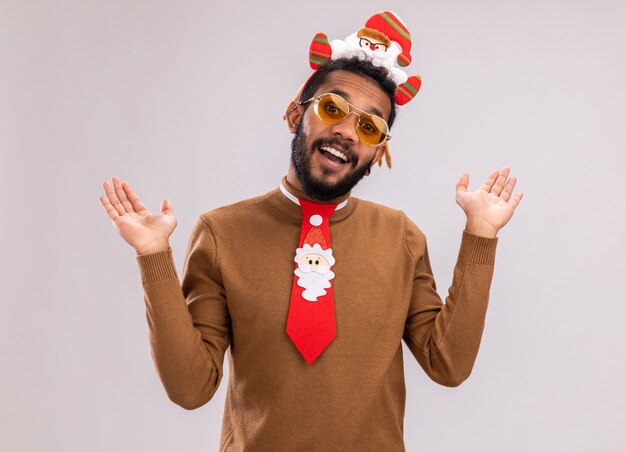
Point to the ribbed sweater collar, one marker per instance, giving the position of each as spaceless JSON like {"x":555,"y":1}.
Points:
{"x":278,"y":199}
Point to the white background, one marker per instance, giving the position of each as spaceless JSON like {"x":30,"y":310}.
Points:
{"x":184,"y":100}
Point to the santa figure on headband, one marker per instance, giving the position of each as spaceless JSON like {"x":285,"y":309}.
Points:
{"x":384,"y":40}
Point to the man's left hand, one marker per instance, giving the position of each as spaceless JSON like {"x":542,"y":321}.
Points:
{"x":490,"y":207}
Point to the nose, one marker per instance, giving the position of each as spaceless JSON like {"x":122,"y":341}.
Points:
{"x":347,"y":128}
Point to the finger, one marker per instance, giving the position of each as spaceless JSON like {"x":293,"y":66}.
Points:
{"x":516,"y":200}
{"x":117,"y":205}
{"x":133,"y":198}
{"x":508,"y":188}
{"x":500,"y":181}
{"x":166,"y":207}
{"x":462,"y":184}
{"x":121,"y":194}
{"x":490,"y":181}
{"x":110,"y":210}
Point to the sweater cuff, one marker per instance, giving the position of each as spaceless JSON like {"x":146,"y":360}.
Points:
{"x":477,"y":249}
{"x":156,"y":267}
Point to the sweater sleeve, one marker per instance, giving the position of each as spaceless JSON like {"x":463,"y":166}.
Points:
{"x":188,"y":324}
{"x":444,"y":338}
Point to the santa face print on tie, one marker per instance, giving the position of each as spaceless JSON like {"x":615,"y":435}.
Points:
{"x":313,"y":272}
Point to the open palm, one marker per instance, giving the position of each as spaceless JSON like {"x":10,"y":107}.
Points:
{"x":143,"y":230}
{"x":490,"y":207}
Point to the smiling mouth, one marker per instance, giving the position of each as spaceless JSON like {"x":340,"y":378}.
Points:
{"x":333,"y":154}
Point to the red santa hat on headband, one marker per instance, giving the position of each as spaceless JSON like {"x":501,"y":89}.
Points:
{"x":315,"y":243}
{"x":392,"y":26}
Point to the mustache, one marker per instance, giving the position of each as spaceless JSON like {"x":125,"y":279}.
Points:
{"x":321,"y":269}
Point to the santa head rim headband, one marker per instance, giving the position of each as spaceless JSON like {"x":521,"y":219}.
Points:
{"x":384,"y":40}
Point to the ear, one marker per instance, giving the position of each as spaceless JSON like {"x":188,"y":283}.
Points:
{"x":380,"y":153}
{"x":293,"y":115}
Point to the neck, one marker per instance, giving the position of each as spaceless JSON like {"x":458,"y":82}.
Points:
{"x":292,"y":178}
{"x":296,"y":190}
{"x":293,"y":184}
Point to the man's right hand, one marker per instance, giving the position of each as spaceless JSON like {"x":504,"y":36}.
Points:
{"x":142,"y":230}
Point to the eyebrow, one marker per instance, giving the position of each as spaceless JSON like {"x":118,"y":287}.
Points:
{"x":347,"y":97}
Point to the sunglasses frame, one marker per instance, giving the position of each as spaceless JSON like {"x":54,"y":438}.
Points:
{"x":352,"y":108}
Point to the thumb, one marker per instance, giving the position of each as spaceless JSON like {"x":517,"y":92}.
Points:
{"x":461,"y":185}
{"x":166,"y":207}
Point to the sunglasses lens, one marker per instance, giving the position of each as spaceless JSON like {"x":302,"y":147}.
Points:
{"x":332,"y":108}
{"x":372,"y":129}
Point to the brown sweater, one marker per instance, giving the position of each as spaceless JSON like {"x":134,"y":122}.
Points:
{"x":236,"y":286}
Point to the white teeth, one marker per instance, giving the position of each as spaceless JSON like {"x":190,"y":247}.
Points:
{"x":335,"y":152}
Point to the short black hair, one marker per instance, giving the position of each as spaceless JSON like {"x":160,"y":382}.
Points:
{"x":378,"y":74}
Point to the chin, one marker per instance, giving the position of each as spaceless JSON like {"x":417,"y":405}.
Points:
{"x":325,"y":188}
{"x":319,"y":182}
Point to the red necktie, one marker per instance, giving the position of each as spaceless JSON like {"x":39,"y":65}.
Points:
{"x":311,"y":319}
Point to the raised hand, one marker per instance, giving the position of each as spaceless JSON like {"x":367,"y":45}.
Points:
{"x":144,"y":231}
{"x":490,"y":207}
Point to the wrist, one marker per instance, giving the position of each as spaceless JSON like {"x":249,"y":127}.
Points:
{"x":481,"y":228}
{"x":153,"y":247}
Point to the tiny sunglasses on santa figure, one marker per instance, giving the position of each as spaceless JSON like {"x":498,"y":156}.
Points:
{"x":334,"y":109}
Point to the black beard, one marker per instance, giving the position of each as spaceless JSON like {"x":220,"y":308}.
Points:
{"x":320,"y":190}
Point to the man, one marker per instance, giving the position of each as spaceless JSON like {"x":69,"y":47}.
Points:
{"x":315,"y":364}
